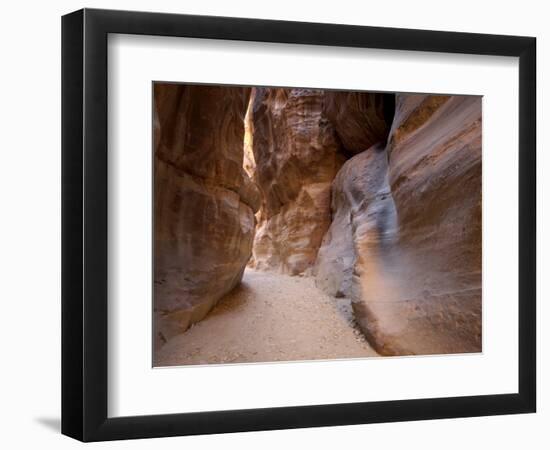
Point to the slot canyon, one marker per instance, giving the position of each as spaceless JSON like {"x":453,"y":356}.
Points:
{"x":294,"y":223}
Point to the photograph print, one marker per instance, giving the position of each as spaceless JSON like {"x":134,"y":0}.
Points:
{"x":299,"y":224}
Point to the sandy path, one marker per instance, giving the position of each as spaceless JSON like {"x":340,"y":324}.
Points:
{"x":269,"y":317}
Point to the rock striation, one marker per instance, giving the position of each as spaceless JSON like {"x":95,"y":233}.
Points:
{"x":204,"y":201}
{"x":297,"y":155}
{"x":405,"y":242}
{"x":363,"y":214}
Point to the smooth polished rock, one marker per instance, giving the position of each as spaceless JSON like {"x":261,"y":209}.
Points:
{"x":362,"y":210}
{"x":420,"y":291}
{"x":204,"y":201}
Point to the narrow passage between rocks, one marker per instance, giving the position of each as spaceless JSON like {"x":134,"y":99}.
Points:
{"x":270,"y":317}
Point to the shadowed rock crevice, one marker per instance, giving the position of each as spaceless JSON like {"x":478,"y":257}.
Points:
{"x":361,"y":119}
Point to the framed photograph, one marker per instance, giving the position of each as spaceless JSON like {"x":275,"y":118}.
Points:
{"x":273,"y":224}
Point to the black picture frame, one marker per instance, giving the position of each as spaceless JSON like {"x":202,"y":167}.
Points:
{"x":84,"y":224}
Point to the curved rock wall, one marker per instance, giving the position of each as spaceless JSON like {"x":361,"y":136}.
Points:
{"x":204,"y":201}
{"x":435,"y":178}
{"x":405,"y":242}
{"x":363,"y":215}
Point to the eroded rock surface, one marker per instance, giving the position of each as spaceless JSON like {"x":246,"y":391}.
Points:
{"x":204,"y":201}
{"x":405,"y":242}
{"x":297,"y":156}
{"x":360,"y":118}
{"x":363,"y":211}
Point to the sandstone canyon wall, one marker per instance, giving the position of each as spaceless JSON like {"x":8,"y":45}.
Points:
{"x":362,"y":207}
{"x":297,"y":155}
{"x":204,"y":201}
{"x":300,"y":140}
{"x":405,"y":242}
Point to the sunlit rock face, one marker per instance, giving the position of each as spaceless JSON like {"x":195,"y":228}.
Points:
{"x":204,"y":201}
{"x":417,"y":288}
{"x":297,"y":155}
{"x":360,"y":118}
